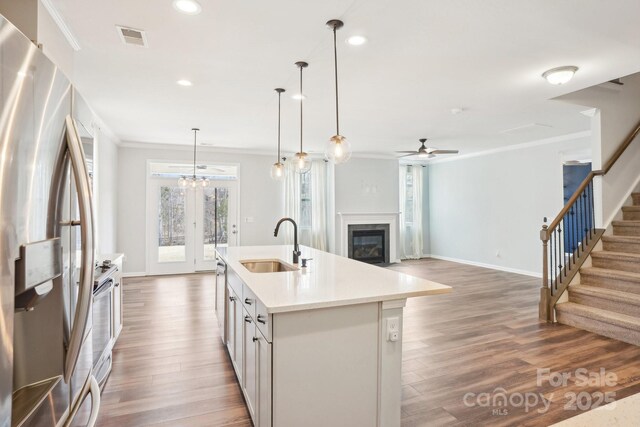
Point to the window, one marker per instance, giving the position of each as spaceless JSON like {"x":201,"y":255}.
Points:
{"x":305,"y":200}
{"x":408,"y":204}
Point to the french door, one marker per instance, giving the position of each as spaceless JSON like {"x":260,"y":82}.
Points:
{"x":186,"y":224}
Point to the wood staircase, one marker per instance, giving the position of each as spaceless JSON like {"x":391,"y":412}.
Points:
{"x":607,"y":300}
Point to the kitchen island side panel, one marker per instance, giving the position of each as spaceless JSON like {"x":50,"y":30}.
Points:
{"x":325,"y":367}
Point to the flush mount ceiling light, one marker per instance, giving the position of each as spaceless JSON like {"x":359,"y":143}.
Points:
{"x":277,"y":170}
{"x":188,"y":7}
{"x":301,"y":159}
{"x":338,"y":149}
{"x":560,"y":75}
{"x":357,"y":40}
{"x":193,"y":181}
{"x":185,"y":83}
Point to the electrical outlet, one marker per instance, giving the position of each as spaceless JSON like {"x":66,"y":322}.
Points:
{"x":393,"y":329}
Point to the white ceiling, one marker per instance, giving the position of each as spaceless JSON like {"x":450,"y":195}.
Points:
{"x":423,"y":58}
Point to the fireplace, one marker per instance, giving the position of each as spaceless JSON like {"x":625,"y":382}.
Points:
{"x":369,"y":243}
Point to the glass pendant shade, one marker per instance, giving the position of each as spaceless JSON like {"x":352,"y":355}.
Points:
{"x":193,"y":181}
{"x":302,"y":162}
{"x":338,"y":149}
{"x":277,"y":171}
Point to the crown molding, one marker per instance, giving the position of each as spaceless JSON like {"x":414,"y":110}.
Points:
{"x":62,"y":25}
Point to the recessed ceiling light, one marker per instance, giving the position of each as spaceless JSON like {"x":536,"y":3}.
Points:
{"x":189,"y":7}
{"x":560,"y":75}
{"x":184,"y":82}
{"x":357,"y":40}
{"x":298,"y":96}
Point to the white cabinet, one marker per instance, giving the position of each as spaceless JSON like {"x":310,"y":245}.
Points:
{"x":250,"y":353}
{"x":263,"y":375}
{"x":250,"y":384}
{"x":234,"y":321}
{"x":221,"y":299}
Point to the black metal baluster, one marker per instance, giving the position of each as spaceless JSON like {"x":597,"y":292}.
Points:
{"x":552,"y":263}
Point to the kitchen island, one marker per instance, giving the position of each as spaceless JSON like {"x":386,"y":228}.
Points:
{"x":314,"y":346}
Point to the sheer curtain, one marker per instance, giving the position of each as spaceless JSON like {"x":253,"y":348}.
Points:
{"x":417,"y":244}
{"x":319,"y":205}
{"x":314,"y":234}
{"x":403,"y":206}
{"x":411,"y":238}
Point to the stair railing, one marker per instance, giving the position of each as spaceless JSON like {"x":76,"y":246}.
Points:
{"x":569,"y":239}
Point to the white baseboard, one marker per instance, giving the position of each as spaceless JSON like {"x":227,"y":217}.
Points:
{"x":134,"y":274}
{"x":491,"y":266}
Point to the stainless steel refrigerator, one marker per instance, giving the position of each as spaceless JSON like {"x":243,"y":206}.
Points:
{"x":46,"y":245}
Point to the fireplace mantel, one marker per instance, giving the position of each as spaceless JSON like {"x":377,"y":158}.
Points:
{"x":347,"y":218}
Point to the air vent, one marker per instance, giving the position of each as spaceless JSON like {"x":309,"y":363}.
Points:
{"x":132,"y":36}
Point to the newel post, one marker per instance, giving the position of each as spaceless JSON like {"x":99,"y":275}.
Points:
{"x":544,"y":308}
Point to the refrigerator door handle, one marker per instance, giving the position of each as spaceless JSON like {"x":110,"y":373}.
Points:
{"x":85,"y":205}
{"x":91,"y":388}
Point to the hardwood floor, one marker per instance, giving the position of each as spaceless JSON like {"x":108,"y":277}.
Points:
{"x":170,"y":367}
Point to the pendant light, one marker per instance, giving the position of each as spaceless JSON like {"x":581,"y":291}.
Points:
{"x":301,"y":160}
{"x":338,"y":148}
{"x":193,"y":181}
{"x":277,"y":170}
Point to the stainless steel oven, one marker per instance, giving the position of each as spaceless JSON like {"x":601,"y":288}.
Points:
{"x":102,"y":322}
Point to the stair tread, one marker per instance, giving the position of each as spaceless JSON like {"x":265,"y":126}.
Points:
{"x":597,"y":271}
{"x":601,"y":315}
{"x":626,"y":222}
{"x":617,"y":238}
{"x":628,"y":256}
{"x":610,"y":294}
{"x":633,"y":208}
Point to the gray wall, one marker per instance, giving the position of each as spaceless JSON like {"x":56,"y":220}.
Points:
{"x":489,"y":209}
{"x":260,"y":197}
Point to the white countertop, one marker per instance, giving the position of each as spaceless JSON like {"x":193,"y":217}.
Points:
{"x":329,"y":280}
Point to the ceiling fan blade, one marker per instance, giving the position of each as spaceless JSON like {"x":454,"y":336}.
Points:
{"x":406,"y":152}
{"x":408,"y":155}
{"x":444,"y":152}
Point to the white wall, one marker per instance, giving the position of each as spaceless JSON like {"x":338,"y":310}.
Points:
{"x":619,"y":113}
{"x":54,"y":44}
{"x":106,"y":193}
{"x":495,"y":203}
{"x":366,"y":186}
{"x":260,"y":197}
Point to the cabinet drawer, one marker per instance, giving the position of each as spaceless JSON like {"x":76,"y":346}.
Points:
{"x":263,"y":320}
{"x":234,"y":281}
{"x":249,"y":301}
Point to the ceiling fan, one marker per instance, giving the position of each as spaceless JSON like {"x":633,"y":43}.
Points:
{"x":426,"y":152}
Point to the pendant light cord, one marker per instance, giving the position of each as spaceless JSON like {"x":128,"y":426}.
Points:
{"x":195,"y":133}
{"x":335,"y":58}
{"x":301,"y":101}
{"x":279,"y":99}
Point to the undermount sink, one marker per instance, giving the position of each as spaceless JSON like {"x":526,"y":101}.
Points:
{"x":267,"y":266}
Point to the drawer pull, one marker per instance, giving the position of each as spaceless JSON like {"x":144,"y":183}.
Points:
{"x":261,"y":319}
{"x":232,"y":299}
{"x":248,"y":301}
{"x":255,"y":339}
{"x":247,"y":319}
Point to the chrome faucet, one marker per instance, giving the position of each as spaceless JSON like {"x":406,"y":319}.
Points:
{"x":296,"y":248}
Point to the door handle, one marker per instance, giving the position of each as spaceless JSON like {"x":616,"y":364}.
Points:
{"x":85,"y":205}
{"x":90,"y":388}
